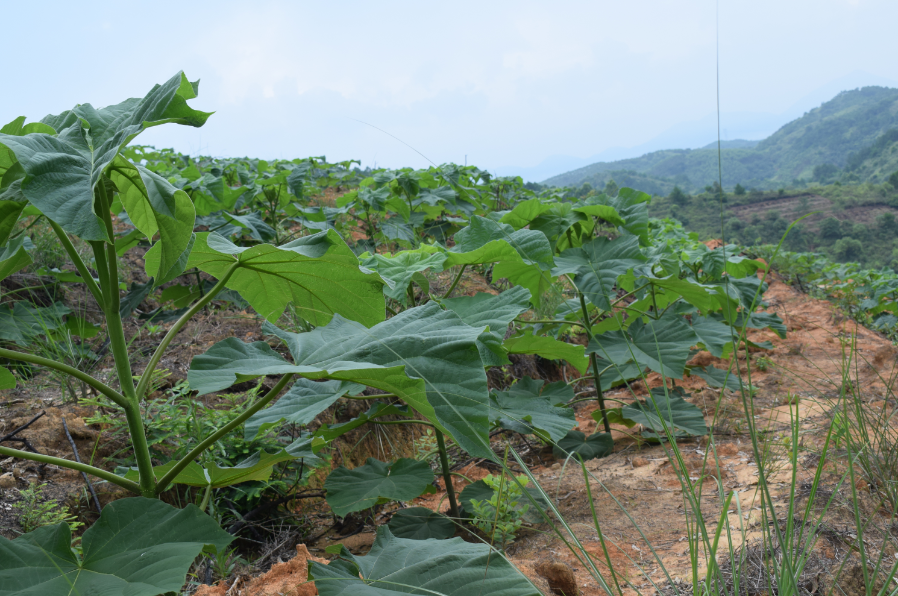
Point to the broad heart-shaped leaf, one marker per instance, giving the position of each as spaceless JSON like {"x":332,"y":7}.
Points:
{"x":426,"y":356}
{"x":717,"y":377}
{"x":7,"y":379}
{"x":319,"y":274}
{"x":362,"y":487}
{"x":494,"y":311}
{"x":702,"y":297}
{"x":62,"y":171}
{"x":154,"y":205}
{"x":632,"y":206}
{"x":255,"y":467}
{"x":597,"y":265}
{"x":14,"y":257}
{"x":549,"y":348}
{"x":587,"y":447}
{"x":138,"y":547}
{"x":487,"y":241}
{"x":402,"y":566}
{"x":717,"y":337}
{"x":254,"y":223}
{"x":661,"y":345}
{"x":420,"y":523}
{"x":9,"y":215}
{"x":524,"y":212}
{"x":305,"y":400}
{"x":524,"y":257}
{"x":399,"y":269}
{"x":21,"y":322}
{"x":528,"y":412}
{"x":670,"y":406}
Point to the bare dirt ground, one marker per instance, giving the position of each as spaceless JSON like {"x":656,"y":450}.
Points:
{"x":803,"y":369}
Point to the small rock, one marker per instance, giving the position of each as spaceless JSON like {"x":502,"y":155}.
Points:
{"x":639,"y":462}
{"x":559,"y":575}
{"x":7,"y":481}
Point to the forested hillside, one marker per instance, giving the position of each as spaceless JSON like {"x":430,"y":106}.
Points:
{"x":850,"y":138}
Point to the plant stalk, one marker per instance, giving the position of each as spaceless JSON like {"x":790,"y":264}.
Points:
{"x":106,"y":390}
{"x":179,"y":324}
{"x":597,"y":377}
{"x":108,"y":259}
{"x":79,"y":263}
{"x":71,"y":465}
{"x":211,"y":439}
{"x":447,"y":475}
{"x":455,"y":281}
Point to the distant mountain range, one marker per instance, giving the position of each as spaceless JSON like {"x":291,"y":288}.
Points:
{"x":852,"y":137}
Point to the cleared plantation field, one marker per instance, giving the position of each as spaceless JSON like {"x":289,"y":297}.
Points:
{"x":418,"y":381}
{"x":793,"y":207}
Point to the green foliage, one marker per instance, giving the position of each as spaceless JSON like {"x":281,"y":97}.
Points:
{"x":420,"y":523}
{"x":569,"y":268}
{"x":365,"y":486}
{"x":500,"y":517}
{"x":397,"y":565}
{"x":36,"y":511}
{"x":142,"y":547}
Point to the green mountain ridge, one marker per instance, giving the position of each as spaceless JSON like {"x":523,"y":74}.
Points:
{"x":854,"y":136}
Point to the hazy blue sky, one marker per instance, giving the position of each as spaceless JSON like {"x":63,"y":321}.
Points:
{"x":505,"y":83}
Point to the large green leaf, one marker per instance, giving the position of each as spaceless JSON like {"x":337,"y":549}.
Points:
{"x":716,"y":336}
{"x":670,"y":406}
{"x":420,"y":523}
{"x":523,"y":409}
{"x":305,"y":400}
{"x":14,"y":257}
{"x":9,"y":215}
{"x":496,"y":312}
{"x":426,"y":356}
{"x":661,"y":345}
{"x":549,"y":348}
{"x":319,"y":274}
{"x":522,"y":256}
{"x":400,"y":268}
{"x":154,"y":205}
{"x":717,"y":377}
{"x":586,"y":446}
{"x":597,"y":264}
{"x":21,"y":322}
{"x":63,"y":171}
{"x":364,"y":486}
{"x":138,"y":547}
{"x":632,"y":206}
{"x":7,"y":379}
{"x":402,"y":566}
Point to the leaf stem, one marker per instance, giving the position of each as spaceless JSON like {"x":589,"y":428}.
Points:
{"x":71,"y":465}
{"x":163,"y":345}
{"x":447,"y":474}
{"x":597,"y":380}
{"x":106,"y":390}
{"x":550,"y":322}
{"x":455,"y":282}
{"x":211,"y":439}
{"x":79,"y":263}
